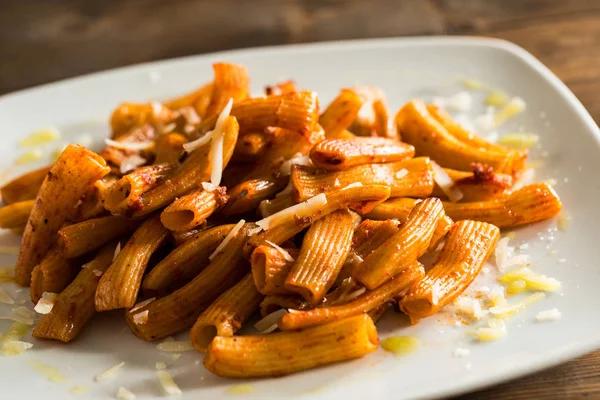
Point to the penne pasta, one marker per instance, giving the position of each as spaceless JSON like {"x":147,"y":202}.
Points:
{"x":179,"y":310}
{"x":128,"y":117}
{"x":286,"y":352}
{"x":193,"y":209}
{"x":324,"y":250}
{"x":194,"y":170}
{"x":24,"y":187}
{"x":384,"y":127}
{"x":198,"y":99}
{"x":274,"y":302}
{"x":468,"y":246}
{"x":231,"y":82}
{"x":251,"y":146}
{"x":340,"y":113}
{"x":270,"y":266}
{"x":16,"y":215}
{"x":532,"y":203}
{"x":248,"y":195}
{"x":65,"y":183}
{"x":281,"y":88}
{"x":418,"y":127}
{"x":84,"y":237}
{"x":369,"y":300}
{"x":226,"y":315}
{"x":91,"y":204}
{"x":338,"y":154}
{"x":75,"y":305}
{"x":370,"y":116}
{"x":411,"y":178}
{"x":145,"y":134}
{"x":181,"y":237}
{"x":272,"y":206}
{"x":52,"y":274}
{"x":169,"y":149}
{"x":479,"y":185}
{"x":121,"y":282}
{"x":404,"y":248}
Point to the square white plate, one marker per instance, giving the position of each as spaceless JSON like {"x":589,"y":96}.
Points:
{"x":404,"y":68}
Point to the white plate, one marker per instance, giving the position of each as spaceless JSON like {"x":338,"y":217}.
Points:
{"x":405,"y":68}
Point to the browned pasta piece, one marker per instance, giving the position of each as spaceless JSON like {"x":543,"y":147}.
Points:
{"x":84,"y":237}
{"x":65,"y":183}
{"x":337,"y":154}
{"x":117,"y":156}
{"x":418,"y":127}
{"x":340,"y":113}
{"x":479,"y":185}
{"x":198,"y":99}
{"x":169,"y":149}
{"x":468,"y":245}
{"x":226,"y":315}
{"x":193,"y":209}
{"x":360,"y":199}
{"x":75,"y":305}
{"x":128,"y":117}
{"x":280,"y":202}
{"x":286,"y":352}
{"x":91,"y":204}
{"x":251,"y":147}
{"x":231,"y":82}
{"x":120,"y":284}
{"x":16,"y":215}
{"x":192,"y":172}
{"x":366,"y":302}
{"x":281,"y":88}
{"x":532,"y":203}
{"x":275,"y":302}
{"x":179,"y":310}
{"x":412,"y":178}
{"x":324,"y":249}
{"x":401,"y":250}
{"x":248,"y":195}
{"x":181,"y":237}
{"x":369,"y":119}
{"x":384,"y":126}
{"x":127,"y":192}
{"x":52,"y":274}
{"x":185,"y":262}
{"x":24,"y":187}
{"x":270,"y":267}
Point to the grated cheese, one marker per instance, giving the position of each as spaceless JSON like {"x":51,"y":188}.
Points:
{"x":160,"y":365}
{"x":548,"y":315}
{"x":132,"y":162}
{"x":269,"y":323}
{"x":400,"y":174}
{"x":563,"y":221}
{"x":46,"y":303}
{"x":515,"y":106}
{"x":142,"y":304}
{"x":496,"y":99}
{"x":167,"y":382}
{"x":5,"y":298}
{"x":227,"y":239}
{"x":15,"y":347}
{"x":240,"y":389}
{"x":472,"y":84}
{"x":134,"y":146}
{"x":50,"y":373}
{"x":352,"y":185}
{"x":495,"y":330}
{"x":504,"y":255}
{"x":201,"y":141}
{"x":79,"y":389}
{"x":190,"y":115}
{"x":508,"y":309}
{"x":216,"y":154}
{"x":304,"y":209}
{"x":287,"y":256}
{"x":469,"y":307}
{"x":173,"y":346}
{"x":41,"y":136}
{"x":117,"y":251}
{"x":109,"y":372}
{"x":337,"y":183}
{"x":446,"y":183}
{"x":531,"y":280}
{"x":124,"y":394}
{"x":209,"y":187}
{"x":141,"y":318}
{"x":156,"y":107}
{"x":516,"y":287}
{"x":297,"y":159}
{"x":30,"y":156}
{"x":519,"y":140}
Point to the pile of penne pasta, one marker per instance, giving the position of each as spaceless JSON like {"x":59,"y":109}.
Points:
{"x":204,"y":209}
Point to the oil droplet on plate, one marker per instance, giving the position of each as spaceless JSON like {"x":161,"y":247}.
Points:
{"x":400,"y":345}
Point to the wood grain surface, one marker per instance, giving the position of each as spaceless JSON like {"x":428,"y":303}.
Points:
{"x":43,"y":41}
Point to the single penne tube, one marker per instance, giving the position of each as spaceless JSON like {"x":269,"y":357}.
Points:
{"x":287,"y":352}
{"x":227,"y":314}
{"x":419,"y":128}
{"x":179,"y":310}
{"x":467,"y":247}
{"x":274,"y":302}
{"x":289,"y":223}
{"x":231,"y":82}
{"x":181,"y":237}
{"x":191,"y":210}
{"x":338,"y":154}
{"x":65,"y":183}
{"x":120,"y":284}
{"x":276,"y":204}
{"x":126,"y":193}
{"x":201,"y":95}
{"x":248,"y":195}
{"x":194,"y":170}
{"x":184,"y":262}
{"x":84,"y":237}
{"x":169,"y":149}
{"x":127,"y":117}
{"x":251,"y":146}
{"x":384,"y":127}
{"x":24,"y":187}
{"x":366,"y":302}
{"x":530,"y":204}
{"x":270,"y":266}
{"x":91,"y":204}
{"x":480,"y":185}
{"x":324,"y":250}
{"x":340,"y":113}
{"x":409,"y":178}
{"x":368,"y":121}
{"x":75,"y":304}
{"x":16,"y":215}
{"x":117,"y":155}
{"x":52,"y":274}
{"x":401,"y":250}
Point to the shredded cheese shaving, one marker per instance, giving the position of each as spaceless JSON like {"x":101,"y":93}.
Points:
{"x":505,"y":258}
{"x":563,"y":221}
{"x":287,"y":256}
{"x":141,"y":318}
{"x":519,"y":140}
{"x":109,"y":372}
{"x":548,"y":315}
{"x":337,"y":183}
{"x":297,"y":159}
{"x":508,"y":310}
{"x":160,"y":365}
{"x":495,"y":330}
{"x":401,"y":174}
{"x":117,"y":251}
{"x":216,"y":153}
{"x":134,"y":146}
{"x":269,"y":323}
{"x":50,"y":373}
{"x":209,"y":187}
{"x":469,"y":307}
{"x":46,"y":303}
{"x":173,"y":346}
{"x":15,"y":347}
{"x":5,"y":298}
{"x":446,"y":183}
{"x":124,"y":394}
{"x":132,"y":162}
{"x":227,"y":239}
{"x":190,"y":115}
{"x":142,"y":304}
{"x":201,"y":141}
{"x":515,"y":106}
{"x":41,"y":136}
{"x":352,"y":185}
{"x":30,"y":156}
{"x":531,"y":280}
{"x":79,"y":389}
{"x":167,"y":383}
{"x":496,"y":99}
{"x":304,"y":209}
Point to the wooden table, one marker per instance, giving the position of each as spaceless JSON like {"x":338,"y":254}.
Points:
{"x":42,"y":41}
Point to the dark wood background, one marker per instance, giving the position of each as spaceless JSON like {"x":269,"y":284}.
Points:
{"x":46,"y":40}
